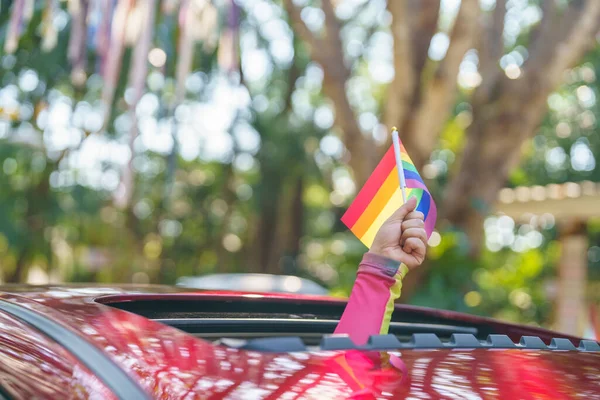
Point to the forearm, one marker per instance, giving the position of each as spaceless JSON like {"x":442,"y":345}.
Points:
{"x":369,"y":309}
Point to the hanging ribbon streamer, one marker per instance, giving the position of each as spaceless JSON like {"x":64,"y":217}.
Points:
{"x":106,"y":8}
{"x":185,"y":51}
{"x":137,"y":82}
{"x":48,"y":30}
{"x":185,"y":55}
{"x":14,"y":27}
{"x":77,"y":52}
{"x":169,"y":6}
{"x":228,"y":45}
{"x":115,"y":55}
{"x":139,"y":65}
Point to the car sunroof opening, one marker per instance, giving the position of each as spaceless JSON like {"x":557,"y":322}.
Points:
{"x":249,"y":318}
{"x":270,"y":323}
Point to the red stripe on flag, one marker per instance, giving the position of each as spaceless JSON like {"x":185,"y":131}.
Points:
{"x":368,"y":191}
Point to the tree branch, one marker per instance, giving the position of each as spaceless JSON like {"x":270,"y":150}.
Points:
{"x":402,"y":87}
{"x":490,"y":50}
{"x":501,"y":124}
{"x":412,"y":38}
{"x":302,"y":30}
{"x":328,"y":51}
{"x":422,"y":29}
{"x":547,"y":62}
{"x":547,"y":25}
{"x":440,"y":91}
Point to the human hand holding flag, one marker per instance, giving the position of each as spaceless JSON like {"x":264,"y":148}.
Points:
{"x":395,"y":221}
{"x":383,"y":194}
{"x":402,"y":236}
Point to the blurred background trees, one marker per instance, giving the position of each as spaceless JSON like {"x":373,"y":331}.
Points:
{"x":141,"y":141}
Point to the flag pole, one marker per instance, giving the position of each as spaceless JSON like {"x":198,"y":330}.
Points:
{"x":396,"y":141}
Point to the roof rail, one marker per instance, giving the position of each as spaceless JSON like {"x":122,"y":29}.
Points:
{"x":421,"y":341}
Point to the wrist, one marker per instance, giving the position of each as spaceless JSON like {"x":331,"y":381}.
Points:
{"x":389,"y":266}
{"x":384,"y":253}
{"x":380,"y":259}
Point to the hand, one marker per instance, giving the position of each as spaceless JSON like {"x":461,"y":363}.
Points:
{"x":402,"y":237}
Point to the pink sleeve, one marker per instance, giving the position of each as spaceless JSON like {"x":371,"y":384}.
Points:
{"x":369,"y":309}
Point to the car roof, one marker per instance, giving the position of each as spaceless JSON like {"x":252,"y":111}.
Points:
{"x":163,"y":359}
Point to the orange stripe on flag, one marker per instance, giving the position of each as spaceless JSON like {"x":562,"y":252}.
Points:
{"x":393,"y":203}
{"x":378,"y":202}
{"x":381,"y":196}
{"x":365,"y":195}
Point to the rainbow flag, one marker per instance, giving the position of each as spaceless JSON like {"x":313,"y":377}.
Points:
{"x":381,"y":196}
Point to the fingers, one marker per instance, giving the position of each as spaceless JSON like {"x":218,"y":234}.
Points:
{"x":413,"y":233}
{"x":412,"y":223}
{"x":406,"y":208}
{"x":415,"y":247}
{"x":413,"y":226}
{"x":415,"y":215}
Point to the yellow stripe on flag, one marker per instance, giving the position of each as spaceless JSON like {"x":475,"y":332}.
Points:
{"x":381,"y":198}
{"x":394,"y":202}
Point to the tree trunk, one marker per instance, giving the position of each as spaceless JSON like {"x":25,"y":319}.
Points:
{"x":35,"y":223}
{"x":494,"y":140}
{"x":223,"y":255}
{"x":493,"y":149}
{"x":327,"y":50}
{"x":291,"y":231}
{"x":507,"y":112}
{"x":279,"y":229}
{"x":264,"y":235}
{"x":297,"y":219}
{"x":572,"y":278}
{"x":422,"y":108}
{"x":17,"y":274}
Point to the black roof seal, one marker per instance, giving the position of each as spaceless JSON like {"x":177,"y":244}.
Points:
{"x":421,"y":341}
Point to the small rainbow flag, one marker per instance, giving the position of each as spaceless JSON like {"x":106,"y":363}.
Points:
{"x":381,"y":196}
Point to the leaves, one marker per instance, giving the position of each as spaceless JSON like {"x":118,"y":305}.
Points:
{"x":248,"y":166}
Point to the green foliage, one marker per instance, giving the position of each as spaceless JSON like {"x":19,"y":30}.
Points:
{"x":197,"y":214}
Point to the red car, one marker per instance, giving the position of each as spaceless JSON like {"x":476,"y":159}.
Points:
{"x":164,"y":343}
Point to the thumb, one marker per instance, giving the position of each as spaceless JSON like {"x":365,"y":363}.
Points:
{"x":404,"y":210}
